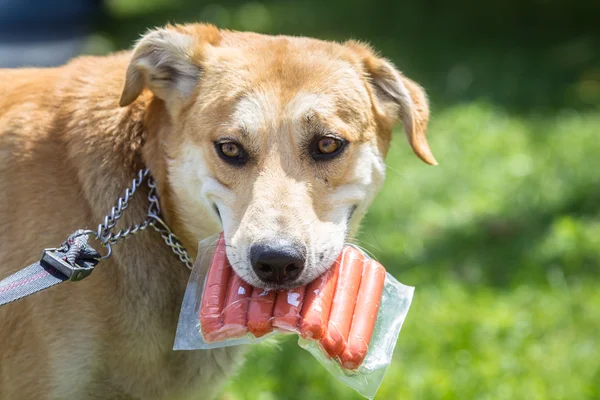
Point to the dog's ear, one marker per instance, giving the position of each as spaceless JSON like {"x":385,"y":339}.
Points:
{"x":168,"y":62}
{"x":397,"y":97}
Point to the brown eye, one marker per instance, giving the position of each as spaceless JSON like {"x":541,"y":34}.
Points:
{"x":327,"y":147}
{"x":230,"y":149}
{"x":231,"y":152}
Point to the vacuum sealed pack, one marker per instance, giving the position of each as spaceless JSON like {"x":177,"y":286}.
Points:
{"x":349,"y":318}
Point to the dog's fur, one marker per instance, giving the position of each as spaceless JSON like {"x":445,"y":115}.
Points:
{"x":68,"y":150}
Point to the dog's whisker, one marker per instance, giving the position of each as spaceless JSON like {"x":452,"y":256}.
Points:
{"x":360,"y":242}
{"x":367,"y":252}
{"x":393,"y":170}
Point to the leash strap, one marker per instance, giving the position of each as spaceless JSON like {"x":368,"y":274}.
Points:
{"x":74,"y":260}
{"x":28,"y":281}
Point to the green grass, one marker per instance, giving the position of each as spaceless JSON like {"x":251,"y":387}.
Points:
{"x":502,"y":240}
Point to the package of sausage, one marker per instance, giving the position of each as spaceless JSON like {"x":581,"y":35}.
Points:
{"x":349,"y":318}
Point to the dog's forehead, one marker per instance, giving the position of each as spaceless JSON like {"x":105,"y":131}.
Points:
{"x":267,"y":81}
{"x":259,"y":109}
{"x":288,"y":63}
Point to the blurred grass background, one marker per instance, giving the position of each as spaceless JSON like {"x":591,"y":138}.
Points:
{"x":502,"y":240}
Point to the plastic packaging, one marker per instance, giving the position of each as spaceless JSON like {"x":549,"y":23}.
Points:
{"x":264,"y":323}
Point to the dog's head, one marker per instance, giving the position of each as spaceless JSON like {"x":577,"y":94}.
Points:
{"x":280,"y":140}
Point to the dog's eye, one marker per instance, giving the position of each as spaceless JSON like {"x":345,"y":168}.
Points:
{"x":230,"y":149}
{"x":327,"y":147}
{"x":231,"y":152}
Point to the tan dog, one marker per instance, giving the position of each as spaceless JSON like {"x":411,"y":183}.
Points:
{"x":279,"y":141}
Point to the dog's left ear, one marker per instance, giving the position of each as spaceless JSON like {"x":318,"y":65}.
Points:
{"x":397,"y":97}
{"x":167,"y":61}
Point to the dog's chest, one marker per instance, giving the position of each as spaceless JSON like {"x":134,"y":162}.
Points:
{"x":146,"y":366}
{"x":152,"y":374}
{"x":183,"y":374}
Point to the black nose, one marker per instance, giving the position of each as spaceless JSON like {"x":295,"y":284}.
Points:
{"x":277,"y":262}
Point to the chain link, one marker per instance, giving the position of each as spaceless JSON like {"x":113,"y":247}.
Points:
{"x":108,"y":238}
{"x":103,"y":233}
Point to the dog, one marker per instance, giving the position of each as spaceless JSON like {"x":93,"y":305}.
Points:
{"x":277,"y":141}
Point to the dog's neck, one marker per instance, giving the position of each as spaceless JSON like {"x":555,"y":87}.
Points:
{"x":118,"y":142}
{"x":157,"y":125}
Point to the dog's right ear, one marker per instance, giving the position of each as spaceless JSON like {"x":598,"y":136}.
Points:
{"x":167,"y":62}
{"x":396,"y":97}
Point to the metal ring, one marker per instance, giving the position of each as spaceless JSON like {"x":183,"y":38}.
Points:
{"x":162,"y":223}
{"x":108,"y":251}
{"x":98,"y":238}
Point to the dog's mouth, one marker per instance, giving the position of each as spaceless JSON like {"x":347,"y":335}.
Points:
{"x":216,"y":209}
{"x":278,"y":265}
{"x":284,"y":272}
{"x":285,"y":285}
{"x":284,"y":268}
{"x":281,"y":259}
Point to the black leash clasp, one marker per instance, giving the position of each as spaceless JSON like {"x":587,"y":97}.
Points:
{"x":56,"y":260}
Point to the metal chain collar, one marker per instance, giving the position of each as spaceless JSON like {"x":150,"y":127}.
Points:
{"x":107,"y":237}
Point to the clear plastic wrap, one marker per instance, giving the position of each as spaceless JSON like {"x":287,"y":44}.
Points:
{"x":365,"y":379}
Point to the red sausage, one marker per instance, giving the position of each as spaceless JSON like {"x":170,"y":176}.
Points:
{"x":365,"y":315}
{"x":286,"y":314}
{"x":351,"y":265}
{"x":235,"y":313}
{"x":215,"y":291}
{"x":317,"y":303}
{"x":260,"y":311}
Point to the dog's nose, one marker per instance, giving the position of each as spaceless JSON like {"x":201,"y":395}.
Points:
{"x":277,"y":262}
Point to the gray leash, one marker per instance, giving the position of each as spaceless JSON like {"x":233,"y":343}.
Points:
{"x":75,"y":259}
